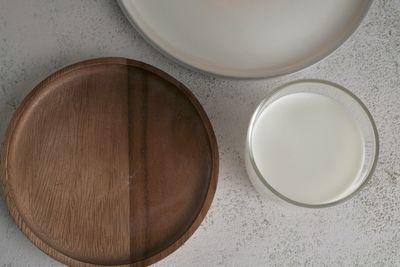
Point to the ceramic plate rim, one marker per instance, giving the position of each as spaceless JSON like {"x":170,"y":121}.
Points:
{"x":237,"y":75}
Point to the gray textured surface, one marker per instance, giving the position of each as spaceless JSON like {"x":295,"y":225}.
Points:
{"x":241,"y":229}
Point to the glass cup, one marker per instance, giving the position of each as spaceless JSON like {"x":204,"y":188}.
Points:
{"x":351,"y":105}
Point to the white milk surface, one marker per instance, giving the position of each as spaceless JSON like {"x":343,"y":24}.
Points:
{"x":308,"y":148}
{"x":246,"y":37}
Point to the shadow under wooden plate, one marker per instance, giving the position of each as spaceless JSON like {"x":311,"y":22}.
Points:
{"x":109,"y":162}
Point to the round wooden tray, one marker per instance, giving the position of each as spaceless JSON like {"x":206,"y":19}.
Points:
{"x":109,"y":162}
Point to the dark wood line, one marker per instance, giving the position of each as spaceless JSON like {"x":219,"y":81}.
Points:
{"x":144,"y":158}
{"x":130,"y":157}
{"x":138,"y":182}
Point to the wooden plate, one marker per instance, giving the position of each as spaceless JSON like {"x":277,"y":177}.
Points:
{"x":109,"y":162}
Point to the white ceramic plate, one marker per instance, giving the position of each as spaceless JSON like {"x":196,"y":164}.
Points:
{"x":246,"y":38}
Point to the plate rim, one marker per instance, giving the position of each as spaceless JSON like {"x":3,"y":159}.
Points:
{"x":46,"y":85}
{"x":242,"y":76}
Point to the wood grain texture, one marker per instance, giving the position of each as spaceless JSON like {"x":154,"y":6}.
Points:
{"x":109,"y":162}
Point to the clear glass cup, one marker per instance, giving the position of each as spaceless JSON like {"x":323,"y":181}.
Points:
{"x":351,"y":104}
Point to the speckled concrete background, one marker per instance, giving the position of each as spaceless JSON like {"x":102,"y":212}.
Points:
{"x":241,"y":229}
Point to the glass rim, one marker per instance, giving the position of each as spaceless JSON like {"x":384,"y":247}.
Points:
{"x":261,"y":178}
